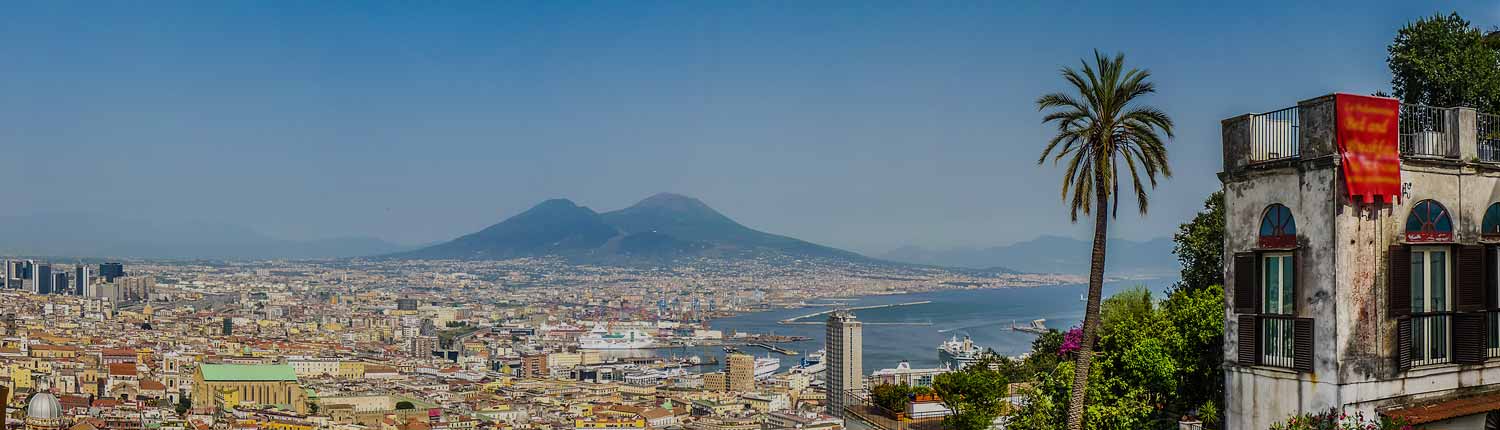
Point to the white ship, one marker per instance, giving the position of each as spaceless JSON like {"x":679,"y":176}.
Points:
{"x":812,"y":364}
{"x":603,"y":338}
{"x":957,"y":354}
{"x":765,"y":367}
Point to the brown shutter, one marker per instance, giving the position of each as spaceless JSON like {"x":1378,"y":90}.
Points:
{"x":1302,"y":349}
{"x":1490,"y":279}
{"x":1246,"y":283}
{"x":1398,"y":282}
{"x":1249,"y":341}
{"x":1471,"y":269}
{"x":1403,"y":343}
{"x":1469,"y":338}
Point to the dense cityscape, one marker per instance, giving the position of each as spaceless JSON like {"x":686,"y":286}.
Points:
{"x":416,"y":345}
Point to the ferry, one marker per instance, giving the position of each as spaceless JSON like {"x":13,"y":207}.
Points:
{"x":812,"y":364}
{"x":603,"y":338}
{"x":765,"y":367}
{"x":957,"y":354}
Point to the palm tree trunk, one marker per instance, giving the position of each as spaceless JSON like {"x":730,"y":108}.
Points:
{"x":1091,"y":312}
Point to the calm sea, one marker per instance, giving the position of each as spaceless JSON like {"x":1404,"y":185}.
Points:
{"x":983,"y":315}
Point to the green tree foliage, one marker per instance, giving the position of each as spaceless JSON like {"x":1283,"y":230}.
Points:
{"x":1444,"y":61}
{"x":975,"y":394}
{"x":403,"y":405}
{"x":1199,"y":245}
{"x":1155,"y":362}
{"x":894,"y":397}
{"x":183,"y":404}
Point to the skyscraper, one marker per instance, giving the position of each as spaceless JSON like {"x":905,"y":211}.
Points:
{"x":845,"y":344}
{"x":80,"y":280}
{"x":60,"y":281}
{"x":110,"y":271}
{"x":741,"y":369}
{"x":41,"y":276}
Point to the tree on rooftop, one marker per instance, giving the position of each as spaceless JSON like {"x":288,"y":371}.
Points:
{"x":1445,"y":61}
{"x":1100,"y":125}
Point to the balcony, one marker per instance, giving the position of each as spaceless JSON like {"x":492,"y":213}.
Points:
{"x":1306,"y":132}
{"x":1430,"y":339}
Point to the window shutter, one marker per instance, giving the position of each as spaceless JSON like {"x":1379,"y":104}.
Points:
{"x":1490,"y":278}
{"x":1471,"y":274}
{"x":1246,"y":283}
{"x":1302,"y":348}
{"x":1403,"y":343}
{"x":1297,"y":277}
{"x":1249,"y":341}
{"x":1398,"y":282}
{"x":1469,"y":338}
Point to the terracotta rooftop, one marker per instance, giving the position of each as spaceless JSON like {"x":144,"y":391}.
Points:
{"x":1439,"y":410}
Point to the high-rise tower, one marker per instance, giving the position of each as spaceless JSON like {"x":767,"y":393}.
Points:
{"x":844,"y":346}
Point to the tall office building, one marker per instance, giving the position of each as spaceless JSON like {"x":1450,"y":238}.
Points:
{"x":80,"y":280}
{"x":741,"y":369}
{"x":110,"y":271}
{"x":845,"y":344}
{"x":41,"y":276}
{"x":60,"y":281}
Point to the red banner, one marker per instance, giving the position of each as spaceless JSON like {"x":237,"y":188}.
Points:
{"x":1368,"y":146}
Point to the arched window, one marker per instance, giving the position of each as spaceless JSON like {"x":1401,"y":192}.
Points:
{"x":1429,"y":222}
{"x":1490,"y":226}
{"x":1278,"y":230}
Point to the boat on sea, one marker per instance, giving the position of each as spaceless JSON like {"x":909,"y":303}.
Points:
{"x":766,"y":366}
{"x":957,"y":354}
{"x":812,"y":363}
{"x":1037,"y":326}
{"x":602,"y":337}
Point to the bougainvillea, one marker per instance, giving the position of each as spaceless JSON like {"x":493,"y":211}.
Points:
{"x":1072,"y":341}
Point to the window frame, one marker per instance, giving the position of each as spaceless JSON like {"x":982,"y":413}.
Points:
{"x":1429,"y":326}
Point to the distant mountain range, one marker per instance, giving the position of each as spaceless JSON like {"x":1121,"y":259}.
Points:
{"x":663,"y":227}
{"x":80,"y":235}
{"x":1051,"y":254}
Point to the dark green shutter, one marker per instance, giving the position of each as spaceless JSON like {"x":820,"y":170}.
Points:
{"x":1471,"y":274}
{"x":1249,"y":340}
{"x":1302,"y":349}
{"x":1398,"y":282}
{"x":1469,"y":338}
{"x":1246,"y":283}
{"x":1403,"y":343}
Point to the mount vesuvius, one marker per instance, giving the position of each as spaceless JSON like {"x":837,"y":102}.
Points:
{"x":661,"y":228}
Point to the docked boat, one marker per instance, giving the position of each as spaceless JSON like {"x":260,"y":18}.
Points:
{"x":603,"y":338}
{"x":957,"y":354}
{"x":766,"y":366}
{"x":812,"y":363}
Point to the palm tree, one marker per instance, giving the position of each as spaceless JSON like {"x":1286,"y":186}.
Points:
{"x":1098,"y":127}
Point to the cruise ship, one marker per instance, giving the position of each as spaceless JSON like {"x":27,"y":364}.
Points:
{"x":603,"y":338}
{"x":957,"y":354}
{"x":767,"y":366}
{"x":812,"y":364}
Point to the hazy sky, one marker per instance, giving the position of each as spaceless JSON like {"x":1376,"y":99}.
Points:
{"x":853,"y":125}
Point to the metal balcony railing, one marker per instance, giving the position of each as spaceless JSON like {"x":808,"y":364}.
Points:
{"x":1427,"y":131}
{"x":1277,"y":344}
{"x":1488,"y":136}
{"x":1273,"y":135}
{"x":1430,"y":339}
{"x":1492,"y":344}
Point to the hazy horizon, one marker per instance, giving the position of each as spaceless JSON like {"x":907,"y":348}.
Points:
{"x":856,"y":126}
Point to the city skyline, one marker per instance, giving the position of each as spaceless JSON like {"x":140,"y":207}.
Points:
{"x":886,"y":127}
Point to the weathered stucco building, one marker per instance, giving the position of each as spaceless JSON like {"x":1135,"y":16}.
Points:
{"x":1380,"y":306}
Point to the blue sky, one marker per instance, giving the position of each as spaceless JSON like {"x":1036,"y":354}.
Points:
{"x":860,"y":125}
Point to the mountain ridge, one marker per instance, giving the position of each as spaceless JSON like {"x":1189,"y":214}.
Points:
{"x":660,"y":228}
